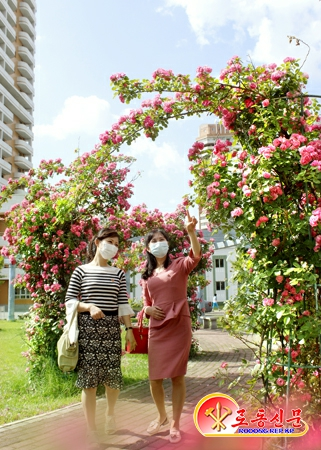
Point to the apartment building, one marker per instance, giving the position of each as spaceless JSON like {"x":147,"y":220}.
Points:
{"x":221,"y":286}
{"x":17,"y":63}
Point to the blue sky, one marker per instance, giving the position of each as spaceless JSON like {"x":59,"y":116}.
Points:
{"x":81,"y":43}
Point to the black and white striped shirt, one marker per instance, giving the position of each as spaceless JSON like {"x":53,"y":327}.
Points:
{"x":105,"y":287}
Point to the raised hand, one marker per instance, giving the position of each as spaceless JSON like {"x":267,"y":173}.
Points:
{"x":190,"y":223}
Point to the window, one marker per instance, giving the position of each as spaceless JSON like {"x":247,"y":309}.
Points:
{"x":220,"y":285}
{"x":219,"y":262}
{"x":21,"y":293}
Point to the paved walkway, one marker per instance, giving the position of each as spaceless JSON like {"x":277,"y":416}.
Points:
{"x":65,"y":429}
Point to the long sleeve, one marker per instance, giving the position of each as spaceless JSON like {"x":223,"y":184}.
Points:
{"x":124,"y":308}
{"x":190,"y":261}
{"x":146,"y":297}
{"x":74,"y":288}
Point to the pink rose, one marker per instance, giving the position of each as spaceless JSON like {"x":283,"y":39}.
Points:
{"x":224,"y":365}
{"x":268,"y":301}
{"x":279,"y":278}
{"x":288,"y":59}
{"x":280,"y":382}
{"x":148,"y":122}
{"x":237,"y":212}
{"x":276,"y":242}
{"x":266,"y":103}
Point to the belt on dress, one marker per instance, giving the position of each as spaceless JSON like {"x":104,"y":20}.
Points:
{"x":107,"y":313}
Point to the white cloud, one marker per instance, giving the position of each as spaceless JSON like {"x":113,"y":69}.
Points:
{"x":164,"y":11}
{"x":79,"y":115}
{"x":181,"y":43}
{"x":163,"y":159}
{"x":266,"y":22}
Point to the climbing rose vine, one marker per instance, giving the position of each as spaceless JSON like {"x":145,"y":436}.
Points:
{"x":265,"y":187}
{"x":48,"y":233}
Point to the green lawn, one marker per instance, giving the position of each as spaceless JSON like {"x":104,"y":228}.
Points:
{"x":19,"y":400}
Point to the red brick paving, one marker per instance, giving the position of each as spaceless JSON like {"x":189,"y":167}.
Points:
{"x":65,"y":429}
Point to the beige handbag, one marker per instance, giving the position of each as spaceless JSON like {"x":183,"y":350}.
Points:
{"x":68,"y":351}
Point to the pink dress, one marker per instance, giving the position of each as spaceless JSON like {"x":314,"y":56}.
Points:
{"x":169,"y":339}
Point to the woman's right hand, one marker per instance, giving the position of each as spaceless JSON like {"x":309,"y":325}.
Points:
{"x":95,"y":312}
{"x":156,"y":312}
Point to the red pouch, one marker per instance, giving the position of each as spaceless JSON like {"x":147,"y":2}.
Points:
{"x":141,"y":335}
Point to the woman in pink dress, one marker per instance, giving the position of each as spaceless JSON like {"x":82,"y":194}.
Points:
{"x":164,"y":284}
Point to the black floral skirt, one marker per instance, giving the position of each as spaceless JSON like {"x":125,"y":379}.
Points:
{"x":99,"y":352}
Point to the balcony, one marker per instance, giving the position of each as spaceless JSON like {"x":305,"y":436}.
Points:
{"x":26,"y":55}
{"x":24,"y":131}
{"x":11,"y":17}
{"x":17,"y":175}
{"x":7,"y":114}
{"x":13,"y":4}
{"x":3,"y":181}
{"x":23,"y":101}
{"x":4,"y":23}
{"x":32,"y":4}
{"x":22,"y":163}
{"x":6,"y":80}
{"x":27,"y":26}
{"x":26,"y":11}
{"x":26,"y":100}
{"x":7,"y":132}
{"x":23,"y":147}
{"x":25,"y":70}
{"x":25,"y":85}
{"x":6,"y":168}
{"x":9,"y":64}
{"x":10,"y":48}
{"x":27,"y":41}
{"x":21,"y":107}
{"x":6,"y":149}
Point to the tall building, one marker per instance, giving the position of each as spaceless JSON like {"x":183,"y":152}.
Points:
{"x":222,"y":287}
{"x":17,"y":49}
{"x":209,"y":134}
{"x":17,"y":63}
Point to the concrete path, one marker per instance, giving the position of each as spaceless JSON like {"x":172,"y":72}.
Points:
{"x":65,"y":429}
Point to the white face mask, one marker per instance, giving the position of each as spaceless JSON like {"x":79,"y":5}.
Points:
{"x":158,"y":249}
{"x":107,"y":250}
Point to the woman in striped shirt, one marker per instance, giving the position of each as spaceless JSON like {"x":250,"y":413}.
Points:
{"x":101,"y":290}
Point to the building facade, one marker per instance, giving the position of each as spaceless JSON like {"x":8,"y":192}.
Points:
{"x":221,"y":287}
{"x":17,"y":64}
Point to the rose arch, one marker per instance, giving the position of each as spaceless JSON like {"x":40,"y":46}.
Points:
{"x":268,"y":191}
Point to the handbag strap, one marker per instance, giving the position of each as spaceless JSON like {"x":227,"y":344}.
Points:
{"x":73,"y":316}
{"x":140,"y":320}
{"x":74,"y":313}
